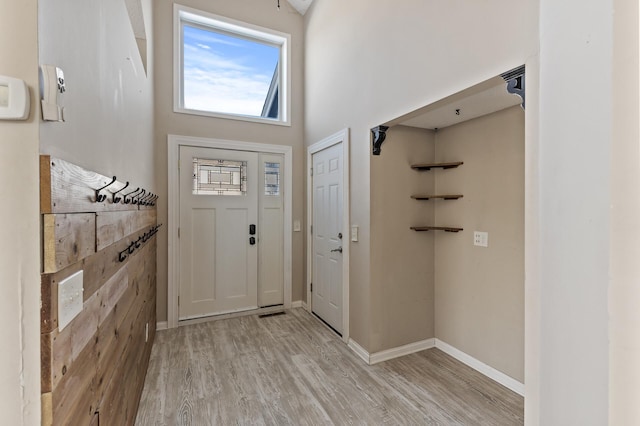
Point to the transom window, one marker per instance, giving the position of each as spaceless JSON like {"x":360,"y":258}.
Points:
{"x":230,"y":69}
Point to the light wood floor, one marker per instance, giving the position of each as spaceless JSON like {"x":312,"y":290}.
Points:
{"x":291,"y":370}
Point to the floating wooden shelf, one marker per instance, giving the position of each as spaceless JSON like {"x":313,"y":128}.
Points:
{"x":444,"y":197}
{"x":430,"y":166}
{"x":435,"y":228}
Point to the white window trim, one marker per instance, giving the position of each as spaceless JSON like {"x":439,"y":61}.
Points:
{"x":183,"y":13}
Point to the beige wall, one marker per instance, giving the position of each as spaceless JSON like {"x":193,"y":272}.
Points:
{"x":109,"y":97}
{"x":20,"y":225}
{"x":624,"y":292}
{"x":587,"y":323}
{"x":479,"y":291}
{"x":368,"y":62}
{"x":402,"y":260}
{"x":257,"y":12}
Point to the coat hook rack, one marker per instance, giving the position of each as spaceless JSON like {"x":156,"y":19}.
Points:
{"x":101,"y":197}
{"x":146,"y":201}
{"x":136,"y":199}
{"x":134,"y":245}
{"x":126,"y":200}
{"x":116,"y":199}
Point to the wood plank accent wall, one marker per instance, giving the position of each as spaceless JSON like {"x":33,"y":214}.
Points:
{"x":93,"y":370}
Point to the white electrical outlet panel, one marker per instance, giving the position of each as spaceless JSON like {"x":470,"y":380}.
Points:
{"x":70,"y":299}
{"x":481,"y":239}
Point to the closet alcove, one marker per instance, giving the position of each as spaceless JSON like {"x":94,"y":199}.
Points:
{"x":439,"y":174}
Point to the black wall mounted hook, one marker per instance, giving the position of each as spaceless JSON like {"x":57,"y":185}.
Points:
{"x":101,"y":197}
{"x":134,"y":245}
{"x":138,"y":197}
{"x":146,"y":201}
{"x":117,"y":199}
{"x":126,"y":200}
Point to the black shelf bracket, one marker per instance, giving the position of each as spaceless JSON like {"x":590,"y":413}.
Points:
{"x":515,"y":82}
{"x":379,"y":135}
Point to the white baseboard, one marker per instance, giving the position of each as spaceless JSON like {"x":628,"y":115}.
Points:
{"x":162,"y":325}
{"x":359,"y":350}
{"x":390,"y":353}
{"x":305,"y":306}
{"x":480,"y":366}
{"x":401,"y":351}
{"x":296,"y":304}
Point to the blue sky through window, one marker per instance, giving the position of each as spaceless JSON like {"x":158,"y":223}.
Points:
{"x":226,"y":74}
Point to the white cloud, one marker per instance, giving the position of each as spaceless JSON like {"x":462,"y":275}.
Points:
{"x":213,"y":82}
{"x":228,"y":91}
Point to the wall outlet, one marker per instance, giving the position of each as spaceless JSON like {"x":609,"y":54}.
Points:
{"x":70,"y":299}
{"x":354,"y":234}
{"x":481,"y":239}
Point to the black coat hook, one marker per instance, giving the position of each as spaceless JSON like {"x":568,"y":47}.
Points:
{"x":101,"y":197}
{"x":117,"y":199}
{"x":136,"y":199}
{"x":145,"y":200}
{"x":126,"y":200}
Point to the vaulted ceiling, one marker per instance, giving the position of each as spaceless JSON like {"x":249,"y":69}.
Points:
{"x":301,"y":5}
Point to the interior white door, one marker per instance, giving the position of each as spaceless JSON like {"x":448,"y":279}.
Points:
{"x":218,"y":246}
{"x":327,"y":232}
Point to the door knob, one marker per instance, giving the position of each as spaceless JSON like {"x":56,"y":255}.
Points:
{"x":339,"y":249}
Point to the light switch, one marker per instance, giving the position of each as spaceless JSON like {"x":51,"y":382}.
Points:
{"x":296,"y":226}
{"x":481,"y":239}
{"x":354,"y":233}
{"x":70,"y":299}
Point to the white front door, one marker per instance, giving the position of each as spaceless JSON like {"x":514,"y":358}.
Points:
{"x":218,"y":235}
{"x":327,"y":236}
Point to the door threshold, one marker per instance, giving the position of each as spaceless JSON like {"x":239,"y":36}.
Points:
{"x":258,"y":311}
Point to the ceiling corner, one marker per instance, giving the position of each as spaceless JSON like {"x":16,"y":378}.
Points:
{"x":300,"y":5}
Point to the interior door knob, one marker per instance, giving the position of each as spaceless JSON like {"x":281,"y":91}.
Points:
{"x":339,"y":249}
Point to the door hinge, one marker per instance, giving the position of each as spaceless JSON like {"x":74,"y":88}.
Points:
{"x":311,"y":229}
{"x":178,"y":300}
{"x":178,"y":164}
{"x":311,"y":288}
{"x":311,"y":171}
{"x":178,"y":232}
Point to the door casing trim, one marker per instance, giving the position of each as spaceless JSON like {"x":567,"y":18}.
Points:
{"x":341,"y":137}
{"x":174,"y":142}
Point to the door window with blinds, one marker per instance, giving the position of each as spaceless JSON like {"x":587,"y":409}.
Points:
{"x":219,"y":177}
